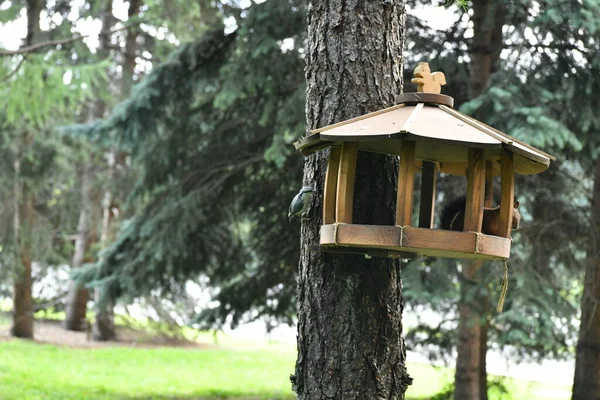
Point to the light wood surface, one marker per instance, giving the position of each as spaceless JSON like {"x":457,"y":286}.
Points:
{"x":406,"y":183}
{"x":345,"y":182}
{"x":475,"y":191}
{"x":425,"y":242}
{"x":427,"y":81}
{"x":507,"y":196}
{"x":331,"y":177}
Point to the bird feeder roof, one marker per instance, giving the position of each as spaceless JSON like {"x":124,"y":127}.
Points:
{"x":441,"y":133}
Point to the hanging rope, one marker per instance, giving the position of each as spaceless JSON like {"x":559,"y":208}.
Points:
{"x":335,"y":233}
{"x":504,"y":289}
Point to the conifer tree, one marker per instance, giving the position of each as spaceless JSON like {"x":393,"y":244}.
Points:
{"x":41,"y":88}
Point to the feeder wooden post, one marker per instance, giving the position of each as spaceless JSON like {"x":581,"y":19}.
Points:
{"x":406,"y":183}
{"x":345,"y":183}
{"x":427,"y":201}
{"x":331,"y":177}
{"x":507,"y":173}
{"x":475,"y":190}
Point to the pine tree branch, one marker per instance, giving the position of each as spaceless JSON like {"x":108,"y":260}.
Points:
{"x":34,"y":47}
{"x":14,"y":71}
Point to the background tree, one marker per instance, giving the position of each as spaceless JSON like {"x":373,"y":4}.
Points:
{"x":524,"y":99}
{"x":37,"y":92}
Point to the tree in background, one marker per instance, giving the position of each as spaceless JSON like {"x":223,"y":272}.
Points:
{"x":88,"y":225}
{"x":528,"y":100}
{"x":39,"y":89}
{"x":200,"y":128}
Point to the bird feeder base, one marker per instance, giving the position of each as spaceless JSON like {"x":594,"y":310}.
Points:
{"x":407,"y":242}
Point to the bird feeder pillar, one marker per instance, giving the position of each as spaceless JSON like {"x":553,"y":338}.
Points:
{"x":345,"y":183}
{"x":475,"y":190}
{"x":507,"y":174}
{"x":406,"y":180}
{"x":331,"y":177}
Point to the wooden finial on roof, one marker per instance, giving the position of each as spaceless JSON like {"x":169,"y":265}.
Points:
{"x":426,"y":80}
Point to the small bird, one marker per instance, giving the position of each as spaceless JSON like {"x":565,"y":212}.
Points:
{"x":300,"y":202}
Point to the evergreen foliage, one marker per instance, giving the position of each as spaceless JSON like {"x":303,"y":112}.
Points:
{"x":203,"y":124}
{"x":541,"y":94}
{"x":210,"y":130}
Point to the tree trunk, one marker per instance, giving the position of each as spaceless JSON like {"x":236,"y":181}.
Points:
{"x":87,"y":226}
{"x":586,"y":385}
{"x":104,"y":326}
{"x":24,"y":212}
{"x":467,"y":384}
{"x":350,"y":342}
{"x":487,"y":43}
{"x":22,"y":326}
{"x":483,"y":348}
{"x":86,"y":237}
{"x":471,"y":373}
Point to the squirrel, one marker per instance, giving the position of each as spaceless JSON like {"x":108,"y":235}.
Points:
{"x":453,"y":217}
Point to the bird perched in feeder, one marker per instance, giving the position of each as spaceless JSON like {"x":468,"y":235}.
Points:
{"x":426,"y":81}
{"x":300,"y":202}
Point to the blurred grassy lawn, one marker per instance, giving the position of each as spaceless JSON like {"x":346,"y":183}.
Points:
{"x":233,"y":369}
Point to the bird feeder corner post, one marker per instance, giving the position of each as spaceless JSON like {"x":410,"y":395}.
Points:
{"x":344,"y":201}
{"x":406,"y":179}
{"x":475,"y":190}
{"x":330,"y":191}
{"x":507,"y":196}
{"x":427,"y":197}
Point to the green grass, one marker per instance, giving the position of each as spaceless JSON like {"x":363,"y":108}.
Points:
{"x":31,"y":371}
{"x":237,"y":369}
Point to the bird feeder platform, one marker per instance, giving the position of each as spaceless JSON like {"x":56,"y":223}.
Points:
{"x":429,"y":136}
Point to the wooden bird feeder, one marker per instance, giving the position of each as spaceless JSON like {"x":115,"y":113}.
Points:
{"x":428,"y":135}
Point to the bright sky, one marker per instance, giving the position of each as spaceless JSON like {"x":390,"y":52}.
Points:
{"x":13,"y":33}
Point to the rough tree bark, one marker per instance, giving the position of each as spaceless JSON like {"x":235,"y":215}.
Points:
{"x":350,"y":342}
{"x":586,"y":385}
{"x":471,"y":374}
{"x":24,"y":212}
{"x":104,"y":327}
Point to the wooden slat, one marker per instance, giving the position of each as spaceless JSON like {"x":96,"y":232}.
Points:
{"x":359,"y":118}
{"x":369,"y":236}
{"x":427,"y":200}
{"x":489,"y":245}
{"x":475,"y":191}
{"x":329,"y":193}
{"x":420,"y":238}
{"x":345,"y":183}
{"x":406,"y":184}
{"x":507,"y":195}
{"x":507,"y":139}
{"x":426,"y":242}
{"x":488,"y":200}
